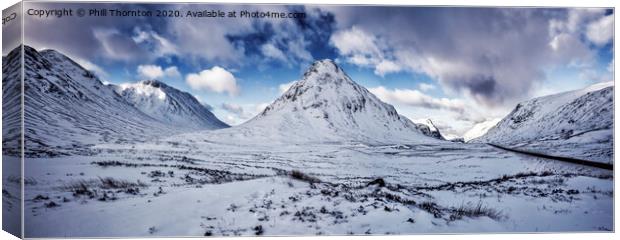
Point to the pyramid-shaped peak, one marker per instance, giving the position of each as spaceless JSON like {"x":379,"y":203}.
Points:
{"x":65,"y":63}
{"x":56,"y":56}
{"x":321,"y":67}
{"x":28,"y":51}
{"x":326,"y":104}
{"x":52,"y":52}
{"x":325,"y":65}
{"x":154,"y":83}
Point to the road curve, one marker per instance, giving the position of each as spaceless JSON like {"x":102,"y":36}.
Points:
{"x":606,"y":166}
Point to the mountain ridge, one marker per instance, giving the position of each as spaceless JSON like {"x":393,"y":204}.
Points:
{"x":67,"y":108}
{"x":169,"y":105}
{"x":574,"y":124}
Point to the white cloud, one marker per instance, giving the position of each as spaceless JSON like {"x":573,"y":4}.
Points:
{"x":152,"y":72}
{"x":364,"y":49}
{"x":90,"y":66}
{"x":260,"y":107}
{"x":386,"y":66}
{"x":286,"y":42}
{"x":417,"y":99}
{"x":285,"y":86}
{"x":233,"y":108}
{"x":575,"y":20}
{"x":426,"y":87}
{"x":601,"y":32}
{"x":272,"y":51}
{"x":297,"y":48}
{"x":355,"y":41}
{"x":231,"y":120}
{"x":138,"y":46}
{"x":212,"y":45}
{"x":239,"y":113}
{"x":172,"y":72}
{"x":593,"y":75}
{"x":113,"y":45}
{"x":159,"y":45}
{"x":216,"y":79}
{"x":566,"y":34}
{"x":495,"y":59}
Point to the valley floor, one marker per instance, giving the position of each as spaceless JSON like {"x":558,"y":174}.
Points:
{"x":197,"y":188}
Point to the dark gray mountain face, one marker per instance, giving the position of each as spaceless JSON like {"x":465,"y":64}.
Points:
{"x":11,"y":104}
{"x":428,"y":128}
{"x":66,"y":107}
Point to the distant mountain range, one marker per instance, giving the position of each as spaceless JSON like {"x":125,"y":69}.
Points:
{"x":67,"y":107}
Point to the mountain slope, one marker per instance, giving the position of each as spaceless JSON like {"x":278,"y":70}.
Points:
{"x":327,"y":106}
{"x":428,"y":128}
{"x":11,"y":103}
{"x":575,"y":124}
{"x":67,"y":108}
{"x":480,"y":129}
{"x":169,"y":105}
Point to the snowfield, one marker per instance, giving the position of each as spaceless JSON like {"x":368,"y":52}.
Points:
{"x":201,"y":187}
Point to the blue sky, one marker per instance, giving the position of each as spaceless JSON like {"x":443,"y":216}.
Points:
{"x":457,"y":66}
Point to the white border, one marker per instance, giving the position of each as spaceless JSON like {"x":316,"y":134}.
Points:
{"x":522,"y":3}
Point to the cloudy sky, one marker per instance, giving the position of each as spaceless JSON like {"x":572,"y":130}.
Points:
{"x":457,"y":66}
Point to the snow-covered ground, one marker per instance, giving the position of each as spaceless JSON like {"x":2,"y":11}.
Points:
{"x":201,"y":186}
{"x":11,"y":194}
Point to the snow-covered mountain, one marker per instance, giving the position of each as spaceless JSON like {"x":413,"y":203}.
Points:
{"x":480,"y":129}
{"x":66,"y":106}
{"x":326,"y":105}
{"x":574,"y":124}
{"x":169,"y":105}
{"x":428,"y":128}
{"x":11,"y":104}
